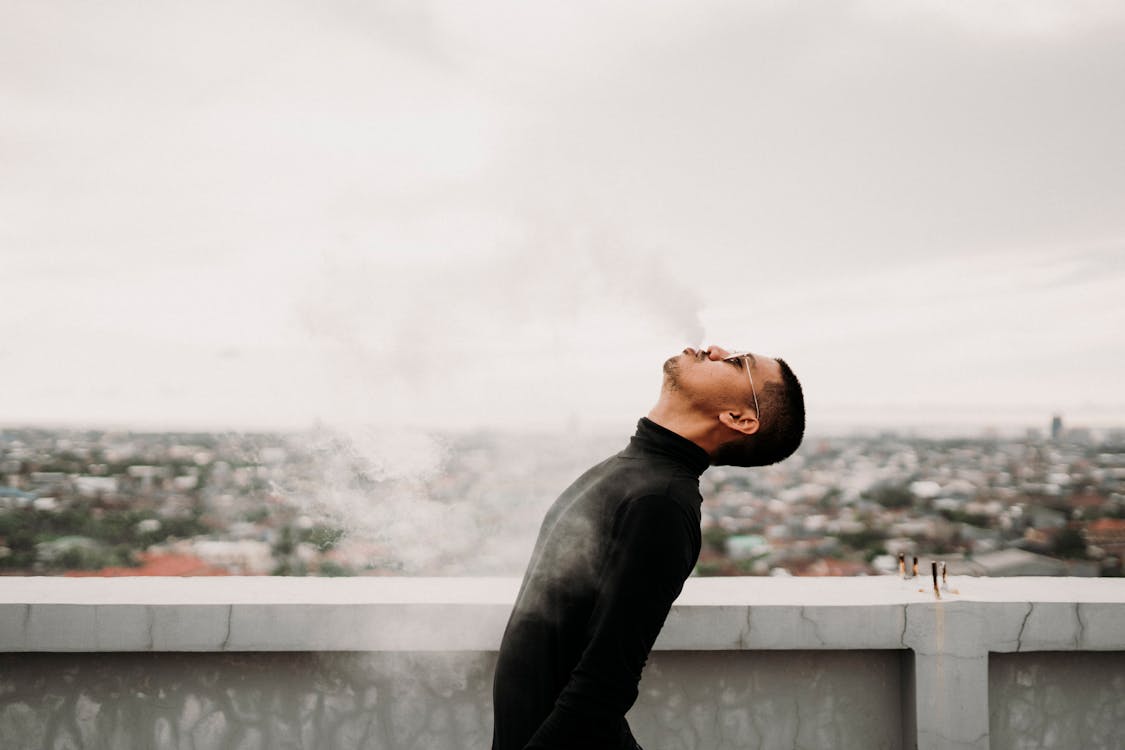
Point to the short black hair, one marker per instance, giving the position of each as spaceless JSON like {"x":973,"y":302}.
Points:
{"x":781,"y":431}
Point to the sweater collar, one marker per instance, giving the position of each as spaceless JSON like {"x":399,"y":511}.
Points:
{"x":652,"y":439}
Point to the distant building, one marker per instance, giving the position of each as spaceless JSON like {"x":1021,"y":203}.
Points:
{"x":745,"y":546}
{"x":56,"y":551}
{"x":1108,"y":534}
{"x":832,"y":567}
{"x":1056,"y":427}
{"x":10,"y":497}
{"x":245,"y":556}
{"x":1087,"y":500}
{"x":1008,"y":562}
{"x":94,"y":486}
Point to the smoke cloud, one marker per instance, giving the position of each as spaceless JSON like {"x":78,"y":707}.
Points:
{"x":529,"y":300}
{"x":416,"y":355}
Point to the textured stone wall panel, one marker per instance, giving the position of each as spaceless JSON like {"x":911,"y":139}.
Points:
{"x":175,"y":701}
{"x":767,"y":700}
{"x":1046,"y":700}
{"x":427,"y":701}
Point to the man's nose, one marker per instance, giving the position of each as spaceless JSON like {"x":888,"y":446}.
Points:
{"x":717,"y":352}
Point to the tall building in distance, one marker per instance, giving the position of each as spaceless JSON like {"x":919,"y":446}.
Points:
{"x":1056,"y":427}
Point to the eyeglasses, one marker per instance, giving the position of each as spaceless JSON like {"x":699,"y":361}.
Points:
{"x":749,"y":360}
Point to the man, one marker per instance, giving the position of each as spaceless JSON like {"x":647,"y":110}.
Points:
{"x":615,"y":548}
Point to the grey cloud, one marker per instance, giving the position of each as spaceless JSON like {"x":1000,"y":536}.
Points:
{"x":523,"y":178}
{"x":820,"y":132}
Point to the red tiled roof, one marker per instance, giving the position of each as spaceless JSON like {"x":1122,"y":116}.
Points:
{"x":1087,"y":500}
{"x":156,"y":565}
{"x":830,"y":567}
{"x":1104,"y":525}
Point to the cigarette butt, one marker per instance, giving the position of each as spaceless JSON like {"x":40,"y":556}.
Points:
{"x":933,"y":569}
{"x":914,"y":569}
{"x":901,"y":565}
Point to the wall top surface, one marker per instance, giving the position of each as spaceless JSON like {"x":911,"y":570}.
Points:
{"x":416,"y":590}
{"x":977,"y":616}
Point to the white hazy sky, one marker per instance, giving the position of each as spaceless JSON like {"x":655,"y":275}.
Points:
{"x":259,"y":214}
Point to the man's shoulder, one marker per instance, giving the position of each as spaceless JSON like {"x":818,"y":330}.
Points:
{"x":650,"y":476}
{"x":669,"y":488}
{"x":619,"y":482}
{"x":666,"y":496}
{"x":659,"y":520}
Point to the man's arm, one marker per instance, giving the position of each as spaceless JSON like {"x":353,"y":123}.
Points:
{"x":654,"y":547}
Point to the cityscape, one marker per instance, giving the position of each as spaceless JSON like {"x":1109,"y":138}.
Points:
{"x":115,"y":503}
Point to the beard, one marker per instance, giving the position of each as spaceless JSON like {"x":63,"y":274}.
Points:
{"x":672,"y":373}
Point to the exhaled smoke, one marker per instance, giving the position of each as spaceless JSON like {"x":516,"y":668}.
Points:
{"x":411,"y":503}
{"x":375,"y":486}
{"x":373,"y":317}
{"x":412,"y":352}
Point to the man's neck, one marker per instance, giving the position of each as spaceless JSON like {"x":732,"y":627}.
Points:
{"x":687,"y":425}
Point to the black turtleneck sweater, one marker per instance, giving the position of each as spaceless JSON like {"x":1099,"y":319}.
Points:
{"x":611,"y":557}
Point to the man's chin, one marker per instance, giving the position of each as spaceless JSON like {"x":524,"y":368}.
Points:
{"x":672,"y":373}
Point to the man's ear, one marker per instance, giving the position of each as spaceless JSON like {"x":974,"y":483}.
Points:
{"x":744,"y":422}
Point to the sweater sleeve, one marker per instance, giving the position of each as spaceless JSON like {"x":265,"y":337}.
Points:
{"x":655,"y":545}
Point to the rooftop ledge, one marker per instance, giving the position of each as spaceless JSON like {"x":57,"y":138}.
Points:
{"x":468,"y":614}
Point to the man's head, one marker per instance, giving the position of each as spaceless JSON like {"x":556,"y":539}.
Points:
{"x":744,"y":409}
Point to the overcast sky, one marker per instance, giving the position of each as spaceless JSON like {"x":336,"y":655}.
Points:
{"x":449,"y":214}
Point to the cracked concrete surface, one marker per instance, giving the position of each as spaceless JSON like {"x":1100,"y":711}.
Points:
{"x":245,"y":701}
{"x":905,"y":625}
{"x":751,"y":663}
{"x":1050,"y":700}
{"x":430,"y":701}
{"x":745,"y":634}
{"x":812,"y":624}
{"x":226,"y":638}
{"x":770,"y":699}
{"x":1023,"y":626}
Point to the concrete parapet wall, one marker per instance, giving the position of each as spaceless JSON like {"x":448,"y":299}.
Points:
{"x":406,"y":663}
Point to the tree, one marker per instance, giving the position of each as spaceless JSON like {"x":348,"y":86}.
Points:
{"x":715,"y":539}
{"x":892,"y":495}
{"x":1070,"y":543}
